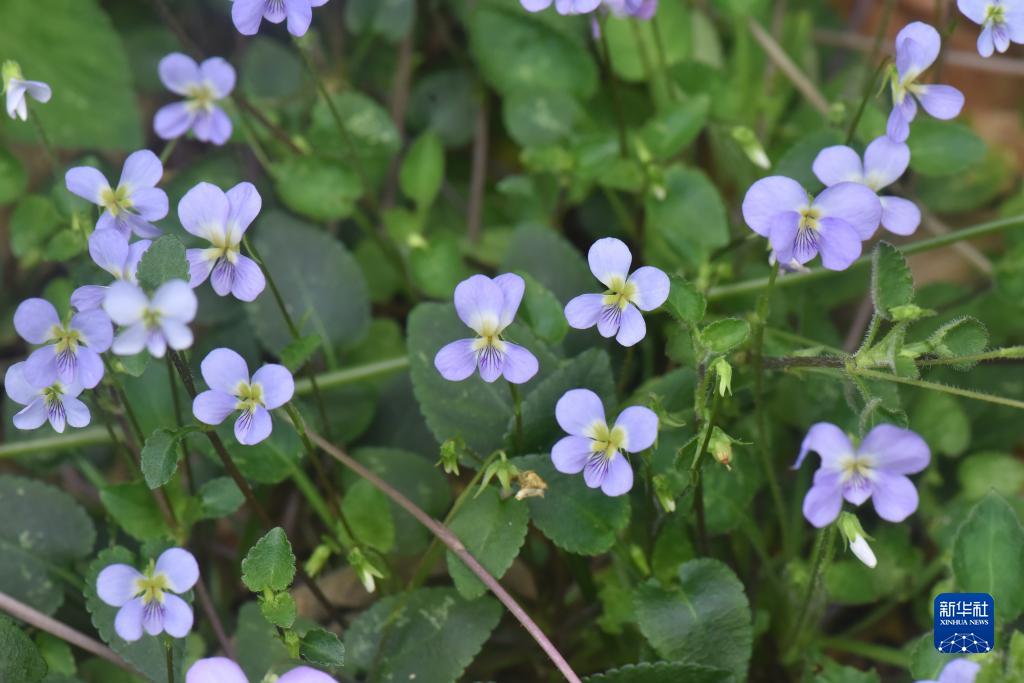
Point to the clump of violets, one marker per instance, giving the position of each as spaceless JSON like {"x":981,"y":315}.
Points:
{"x":799,"y":226}
{"x":134,"y":203}
{"x":223,"y":670}
{"x":1001,"y":21}
{"x":221,"y":218}
{"x":597,"y":449}
{"x":148,"y":601}
{"x":958,"y":671}
{"x":884,"y":162}
{"x":202,"y":86}
{"x":877,"y":469}
{"x":18,"y":90}
{"x":151,"y":323}
{"x":55,"y":403}
{"x":231,"y":389}
{"x":110,"y":251}
{"x":917,"y":47}
{"x":616,"y":312}
{"x":562,"y":6}
{"x":70,"y":351}
{"x":487,"y":306}
{"x":248,"y":14}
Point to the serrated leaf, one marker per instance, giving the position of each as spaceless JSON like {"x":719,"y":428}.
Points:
{"x":279,"y":609}
{"x":892,"y":284}
{"x":298,"y":351}
{"x":219,"y":497}
{"x":322,"y":648}
{"x":725,"y":335}
{"x":257,"y":642}
{"x":960,"y":337}
{"x":132,"y":506}
{"x":270,"y":564}
{"x":163,"y":261}
{"x":493,"y":530}
{"x":988,"y":555}
{"x":20,"y":660}
{"x":704,"y":620}
{"x":662,"y":672}
{"x":685,"y":301}
{"x":422,"y":170}
{"x":941,"y":422}
{"x":160,"y":457}
{"x":551,"y":259}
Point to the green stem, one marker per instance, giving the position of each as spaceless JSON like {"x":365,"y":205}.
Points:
{"x":170,"y":661}
{"x":337,"y":378}
{"x":934,"y":386}
{"x":869,"y":88}
{"x":517,"y":406}
{"x":613,"y":88}
{"x":168,"y":149}
{"x":820,"y":557}
{"x":879,"y":653}
{"x":697,"y":479}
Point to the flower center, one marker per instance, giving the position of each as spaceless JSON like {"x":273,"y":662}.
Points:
{"x":200,"y":96}
{"x":151,"y":318}
{"x":995,"y":15}
{"x":607,"y":442}
{"x":65,"y":339}
{"x":151,"y":586}
{"x":224,"y":246}
{"x":250,"y":396}
{"x":855,"y":470}
{"x":115,"y":201}
{"x":620,"y":293}
{"x":489,"y":340}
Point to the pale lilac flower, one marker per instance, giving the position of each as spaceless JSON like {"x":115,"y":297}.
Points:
{"x":202,"y":86}
{"x":917,"y":47}
{"x":957,"y":671}
{"x":594,"y":448}
{"x":110,"y":251}
{"x":877,"y":469}
{"x":57,"y":403}
{"x":562,"y":6}
{"x":221,"y":219}
{"x":616,"y":312}
{"x":798,"y":226}
{"x":487,"y":306}
{"x":147,"y":600}
{"x":151,"y":323}
{"x":1002,"y":22}
{"x":231,"y":389}
{"x":638,"y":9}
{"x":134,"y":203}
{"x":17,"y":88}
{"x":247,"y":14}
{"x":884,"y":162}
{"x":71,"y":351}
{"x":223,"y":670}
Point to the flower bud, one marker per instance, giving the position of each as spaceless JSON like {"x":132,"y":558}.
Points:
{"x":724,"y":372}
{"x":503,"y":470}
{"x":365,"y":569}
{"x":318,"y":559}
{"x":450,"y":456}
{"x":530,"y":485}
{"x":751,"y":146}
{"x":854,"y":534}
{"x":10,"y":69}
{"x":720,"y":446}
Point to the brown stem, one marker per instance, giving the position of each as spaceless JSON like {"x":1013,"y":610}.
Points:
{"x":402,"y":81}
{"x":35,"y":618}
{"x":456,"y":546}
{"x":203,"y":595}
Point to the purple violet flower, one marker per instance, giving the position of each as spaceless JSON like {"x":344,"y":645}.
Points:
{"x":147,"y":600}
{"x":798,"y":226}
{"x":134,"y":203}
{"x":487,"y":306}
{"x":1002,"y":22}
{"x":638,"y":9}
{"x":957,"y":671}
{"x":231,"y":389}
{"x":247,"y":14}
{"x":71,"y":351}
{"x":917,"y":47}
{"x":562,"y":6}
{"x":56,"y":403}
{"x":616,"y":312}
{"x":223,"y":670}
{"x":221,"y":219}
{"x":877,"y":469}
{"x":110,"y":251}
{"x":202,"y":85}
{"x":152,"y":324}
{"x":594,"y":448}
{"x":884,"y":162}
{"x":17,"y":88}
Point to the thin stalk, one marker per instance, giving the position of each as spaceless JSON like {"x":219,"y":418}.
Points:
{"x":51,"y":156}
{"x":869,"y":89}
{"x":697,"y":478}
{"x":170,"y":661}
{"x":659,"y":47}
{"x":517,"y":407}
{"x":819,"y":561}
{"x":879,"y":653}
{"x":787,"y":66}
{"x":613,"y":88}
{"x":624,"y":371}
{"x":358,"y":373}
{"x":934,"y":386}
{"x":168,"y":149}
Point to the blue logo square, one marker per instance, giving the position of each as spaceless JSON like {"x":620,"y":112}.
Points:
{"x":965,"y":623}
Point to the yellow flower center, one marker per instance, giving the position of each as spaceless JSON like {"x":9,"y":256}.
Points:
{"x":607,"y":442}
{"x":856,"y":468}
{"x":151,"y":586}
{"x":620,"y":293}
{"x":809,"y":217}
{"x":995,"y":14}
{"x":200,"y":96}
{"x":65,"y":339}
{"x":224,"y":246}
{"x":490,"y":338}
{"x":115,"y":201}
{"x":250,"y":396}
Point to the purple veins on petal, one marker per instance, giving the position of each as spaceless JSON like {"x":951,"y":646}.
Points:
{"x":134,"y":203}
{"x":247,"y":14}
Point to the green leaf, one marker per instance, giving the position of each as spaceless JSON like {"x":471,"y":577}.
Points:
{"x":219,"y":497}
{"x":988,"y":555}
{"x":13,"y":179}
{"x":257,"y":642}
{"x":437,"y":266}
{"x":926,"y":663}
{"x":705,"y":620}
{"x":40,"y":526}
{"x":160,"y":457}
{"x":133,"y":366}
{"x":422,"y":170}
{"x":724,"y":335}
{"x":93,"y":104}
{"x":634,"y":45}
{"x":960,"y":337}
{"x":298,"y":351}
{"x":322,"y":648}
{"x":540,"y":117}
{"x":1001,"y":472}
{"x":317,"y":188}
{"x":20,"y":661}
{"x":57,"y":654}
{"x":892,"y":284}
{"x":132,"y":506}
{"x":685,"y":301}
{"x":590,"y":370}
{"x":434,"y":636}
{"x":796,"y":161}
{"x":941,"y":422}
{"x":279,"y":609}
{"x":519,"y":51}
{"x":368,"y":513}
{"x":320,"y":283}
{"x":271,"y":461}
{"x":690,"y":218}
{"x":542,"y":311}
{"x":164,"y":260}
{"x":662,"y":672}
{"x":576,"y":518}
{"x":147,"y":654}
{"x":493,"y":530}
{"x":371,"y":140}
{"x":270,"y":564}
{"x":390,"y":19}
{"x":669,"y":133}
{"x":832,"y":672}
{"x":447,"y":102}
{"x":271,"y":69}
{"x":34,"y":222}
{"x":552,"y":260}
{"x":943,"y":148}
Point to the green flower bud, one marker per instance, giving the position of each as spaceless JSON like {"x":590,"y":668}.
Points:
{"x":853,"y":532}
